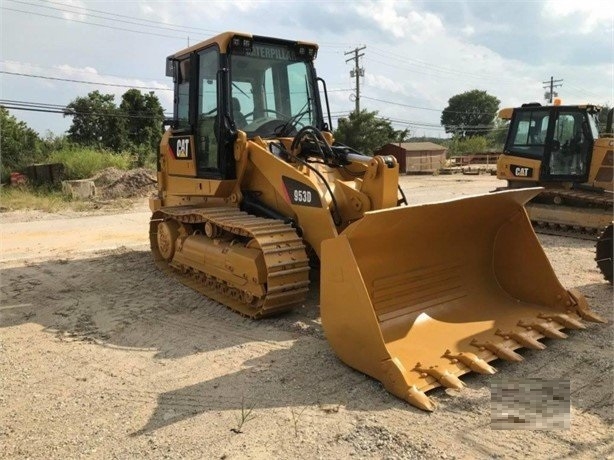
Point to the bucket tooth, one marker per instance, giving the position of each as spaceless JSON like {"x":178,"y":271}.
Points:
{"x":523,"y":339}
{"x":472,"y":362}
{"x":545,"y":329}
{"x":583,"y":309}
{"x":498,"y":350}
{"x":445,"y":378}
{"x":589,"y":315}
{"x":566,"y":320}
{"x":419,"y":399}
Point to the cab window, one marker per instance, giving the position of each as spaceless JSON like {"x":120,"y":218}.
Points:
{"x":207,"y":144}
{"x":528,"y":133}
{"x":182,"y":103}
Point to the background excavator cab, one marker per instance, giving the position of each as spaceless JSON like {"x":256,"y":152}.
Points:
{"x":559,"y":138}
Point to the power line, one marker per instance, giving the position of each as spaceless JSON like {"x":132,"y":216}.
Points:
{"x":435,"y":67}
{"x":333,"y":90}
{"x":142,"y":22}
{"x":433,"y":127}
{"x":583,"y":91}
{"x":157,"y":26}
{"x":179,"y":26}
{"x":93,"y":24}
{"x":85,"y":82}
{"x":29,"y":106}
{"x":424,"y":108}
{"x":40,"y":104}
{"x":182,"y":27}
{"x":73,"y":69}
{"x":438,"y":127}
{"x":401,"y":104}
{"x":65,"y":110}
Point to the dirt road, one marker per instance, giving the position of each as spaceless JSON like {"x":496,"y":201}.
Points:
{"x":102,"y":356}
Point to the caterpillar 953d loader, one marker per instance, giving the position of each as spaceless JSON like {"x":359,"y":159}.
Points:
{"x":559,"y":147}
{"x":252,"y":187}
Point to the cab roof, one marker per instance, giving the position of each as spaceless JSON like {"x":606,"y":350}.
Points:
{"x":224,"y":39}
{"x":506,"y":113}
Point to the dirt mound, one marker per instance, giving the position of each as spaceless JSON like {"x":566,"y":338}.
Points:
{"x":107,"y":176}
{"x":113,"y":183}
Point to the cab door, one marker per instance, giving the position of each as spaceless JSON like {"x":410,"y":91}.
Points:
{"x":569,"y":149}
{"x":207,"y":115}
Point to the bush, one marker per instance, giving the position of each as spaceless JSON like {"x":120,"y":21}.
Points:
{"x":143,"y":156}
{"x":467,"y":146}
{"x":83,"y":163}
{"x":19,"y":145}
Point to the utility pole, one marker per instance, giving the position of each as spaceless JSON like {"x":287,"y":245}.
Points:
{"x":551,"y":84}
{"x":356,"y":72}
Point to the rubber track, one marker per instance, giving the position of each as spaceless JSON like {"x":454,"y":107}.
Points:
{"x":286,"y":261}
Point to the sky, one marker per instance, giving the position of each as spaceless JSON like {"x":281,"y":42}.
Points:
{"x":417,"y":55}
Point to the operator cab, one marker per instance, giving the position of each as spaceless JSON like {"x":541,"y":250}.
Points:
{"x":560,"y":137}
{"x":262,"y":86}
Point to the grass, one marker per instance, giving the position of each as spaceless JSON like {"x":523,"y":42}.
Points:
{"x":82,"y":163}
{"x":295,"y":419}
{"x":52,"y":201}
{"x":24,"y":198}
{"x":79,"y":163}
{"x":245,"y":416}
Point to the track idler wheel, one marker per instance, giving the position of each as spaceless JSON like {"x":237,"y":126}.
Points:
{"x":603,"y":253}
{"x":168,"y":231}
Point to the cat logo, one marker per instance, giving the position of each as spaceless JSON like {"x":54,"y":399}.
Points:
{"x":183,"y":148}
{"x":180,"y":147}
{"x":521,"y":171}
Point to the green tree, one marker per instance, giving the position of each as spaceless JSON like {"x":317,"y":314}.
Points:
{"x":135,"y":124}
{"x":144,"y":116}
{"x":96,"y":122}
{"x":603,"y":117}
{"x":496,"y":138}
{"x":20,"y":145}
{"x":53,"y":142}
{"x":471,"y":113}
{"x":366,"y":132}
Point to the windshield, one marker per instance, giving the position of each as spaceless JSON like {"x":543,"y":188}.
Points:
{"x":272,"y":91}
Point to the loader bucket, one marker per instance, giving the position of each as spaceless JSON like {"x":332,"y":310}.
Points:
{"x":417,"y":296}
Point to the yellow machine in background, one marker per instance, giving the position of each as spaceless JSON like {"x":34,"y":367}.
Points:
{"x":560,"y":148}
{"x":253,"y":191}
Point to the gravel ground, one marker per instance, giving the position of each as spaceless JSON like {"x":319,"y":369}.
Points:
{"x":102,"y":356}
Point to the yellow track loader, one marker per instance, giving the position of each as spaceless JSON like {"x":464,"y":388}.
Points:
{"x":253,"y":191}
{"x":560,"y":148}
